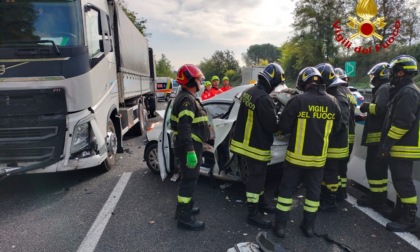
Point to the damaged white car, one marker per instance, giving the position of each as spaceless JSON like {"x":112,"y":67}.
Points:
{"x":217,"y":160}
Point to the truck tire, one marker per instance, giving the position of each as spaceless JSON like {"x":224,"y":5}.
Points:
{"x":142,"y":119}
{"x":111,"y":146}
{"x":140,"y":128}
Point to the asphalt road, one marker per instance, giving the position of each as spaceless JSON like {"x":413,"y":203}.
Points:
{"x":54,"y":212}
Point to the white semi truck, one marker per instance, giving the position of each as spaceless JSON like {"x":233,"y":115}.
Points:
{"x":75,"y":76}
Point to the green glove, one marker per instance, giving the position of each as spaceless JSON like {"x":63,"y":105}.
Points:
{"x":191,"y":159}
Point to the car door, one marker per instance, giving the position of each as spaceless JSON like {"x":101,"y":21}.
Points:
{"x":164,"y":144}
{"x":220,"y":120}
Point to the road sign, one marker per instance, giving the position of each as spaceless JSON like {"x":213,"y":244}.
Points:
{"x":350,"y":68}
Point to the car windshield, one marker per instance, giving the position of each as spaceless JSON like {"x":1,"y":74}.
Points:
{"x":217,"y":110}
{"x":40,"y":23}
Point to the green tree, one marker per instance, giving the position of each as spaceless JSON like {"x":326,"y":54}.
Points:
{"x":313,"y":21}
{"x":164,"y":68}
{"x":221,"y":63}
{"x":140,"y":23}
{"x":255,"y":53}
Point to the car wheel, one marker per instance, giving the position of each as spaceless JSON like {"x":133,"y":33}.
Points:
{"x":151,"y":157}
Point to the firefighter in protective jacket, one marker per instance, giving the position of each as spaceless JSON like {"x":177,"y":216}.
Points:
{"x":338,"y":148}
{"x":400,"y":140}
{"x":309,"y":118}
{"x":190,"y":125}
{"x":342,"y":165}
{"x":376,"y":168}
{"x":253,"y":136}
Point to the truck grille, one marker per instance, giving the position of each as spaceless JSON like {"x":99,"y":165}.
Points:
{"x":28,"y":154}
{"x":35,"y":133}
{"x":32,"y":127}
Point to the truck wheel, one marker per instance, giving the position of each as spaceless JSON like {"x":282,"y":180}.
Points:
{"x":140,"y":127}
{"x":142,"y":119}
{"x":151,"y":157}
{"x":111,"y":146}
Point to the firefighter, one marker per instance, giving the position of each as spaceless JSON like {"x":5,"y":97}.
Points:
{"x":400,"y":138}
{"x":207,"y":93}
{"x":190,"y":125}
{"x":215,"y":85}
{"x":309,"y":118}
{"x":338,"y":149}
{"x":376,"y":168}
{"x":342,"y":165}
{"x":252,"y":139}
{"x":226,"y":85}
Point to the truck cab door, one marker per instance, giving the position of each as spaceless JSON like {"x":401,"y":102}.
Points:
{"x":164,"y":144}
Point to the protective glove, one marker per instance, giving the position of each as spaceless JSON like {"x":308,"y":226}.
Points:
{"x":385,"y":147}
{"x":191,"y":159}
{"x":364,"y":107}
{"x":384,"y":151}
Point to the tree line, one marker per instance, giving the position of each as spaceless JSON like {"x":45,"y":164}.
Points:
{"x":315,"y":39}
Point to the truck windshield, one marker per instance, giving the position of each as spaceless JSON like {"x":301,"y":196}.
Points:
{"x":39,"y":23}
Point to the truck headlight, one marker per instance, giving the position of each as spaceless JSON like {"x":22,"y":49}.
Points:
{"x":81,"y":137}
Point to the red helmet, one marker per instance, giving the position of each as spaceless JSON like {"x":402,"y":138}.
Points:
{"x":188,"y":72}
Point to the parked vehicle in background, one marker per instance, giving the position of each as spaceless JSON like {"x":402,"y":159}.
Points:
{"x":175,"y":89}
{"x":163,"y":88}
{"x":72,"y":85}
{"x":359,"y":97}
{"x":250,"y":74}
{"x":217,"y":160}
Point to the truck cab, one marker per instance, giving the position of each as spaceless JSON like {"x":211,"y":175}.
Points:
{"x":74,"y":77}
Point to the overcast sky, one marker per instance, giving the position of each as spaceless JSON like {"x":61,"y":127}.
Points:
{"x":187,"y":31}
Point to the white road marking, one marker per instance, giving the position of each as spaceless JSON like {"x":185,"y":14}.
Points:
{"x":98,"y":227}
{"x":408,"y":237}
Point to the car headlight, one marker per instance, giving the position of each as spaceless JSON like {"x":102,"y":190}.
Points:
{"x":81,"y":138}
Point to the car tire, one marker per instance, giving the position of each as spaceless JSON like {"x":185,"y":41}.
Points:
{"x":151,"y":157}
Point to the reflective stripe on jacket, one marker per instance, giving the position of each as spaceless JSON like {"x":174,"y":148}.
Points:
{"x":189,"y":121}
{"x":352,"y":106}
{"x":256,"y":123}
{"x":310,"y":118}
{"x":402,"y":122}
{"x":338,"y":147}
{"x":376,"y":115}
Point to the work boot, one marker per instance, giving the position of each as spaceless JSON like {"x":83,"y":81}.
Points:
{"x":194,"y":210}
{"x":378,"y":202}
{"x":255,"y":217}
{"x":328,"y":202}
{"x":186,"y":220}
{"x":265,"y":206}
{"x":279,"y":229}
{"x":407,"y":222}
{"x":308,"y":228}
{"x":341,"y":194}
{"x":397,"y":212}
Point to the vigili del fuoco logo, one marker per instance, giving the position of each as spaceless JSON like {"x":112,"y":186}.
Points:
{"x":366,"y":26}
